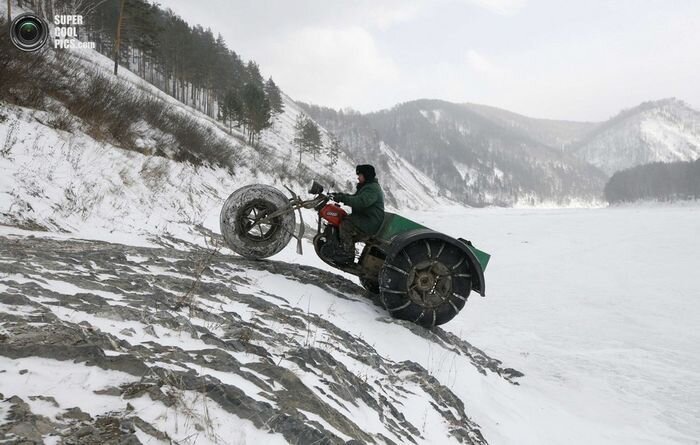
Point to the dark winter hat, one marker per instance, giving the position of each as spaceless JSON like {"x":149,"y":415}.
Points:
{"x":366,"y":170}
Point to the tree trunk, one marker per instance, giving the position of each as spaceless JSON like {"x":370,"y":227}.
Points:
{"x":119,"y":36}
{"x":40,"y":8}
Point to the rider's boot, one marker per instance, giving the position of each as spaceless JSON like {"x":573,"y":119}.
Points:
{"x":345,"y":254}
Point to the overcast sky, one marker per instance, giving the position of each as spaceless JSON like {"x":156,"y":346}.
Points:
{"x":563,"y":59}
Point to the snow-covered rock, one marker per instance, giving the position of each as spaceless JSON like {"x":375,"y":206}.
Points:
{"x":106,"y":342}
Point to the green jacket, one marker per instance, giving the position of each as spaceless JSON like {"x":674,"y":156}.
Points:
{"x":367,"y":207}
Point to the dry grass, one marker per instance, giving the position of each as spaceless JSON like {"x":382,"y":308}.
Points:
{"x":10,"y":141}
{"x":108,"y":108}
{"x":201,"y":265}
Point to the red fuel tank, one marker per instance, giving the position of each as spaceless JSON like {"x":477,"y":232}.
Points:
{"x":333,"y":214}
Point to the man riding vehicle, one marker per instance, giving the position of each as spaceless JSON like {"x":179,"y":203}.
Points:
{"x":367,"y":215}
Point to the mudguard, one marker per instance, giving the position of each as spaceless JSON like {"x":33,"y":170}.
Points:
{"x":399,"y":242}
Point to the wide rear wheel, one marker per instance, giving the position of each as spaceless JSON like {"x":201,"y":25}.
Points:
{"x":241,"y":228}
{"x":372,"y":286}
{"x":370,"y":281}
{"x":427,"y":282}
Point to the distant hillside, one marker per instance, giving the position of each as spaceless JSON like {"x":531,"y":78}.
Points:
{"x":553,"y":133}
{"x":473,"y":158}
{"x":166,"y":113}
{"x":661,"y":131}
{"x":658,"y":181}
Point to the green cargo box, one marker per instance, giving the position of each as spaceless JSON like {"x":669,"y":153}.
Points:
{"x":394,"y":225}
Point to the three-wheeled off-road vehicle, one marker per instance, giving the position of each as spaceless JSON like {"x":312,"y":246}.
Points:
{"x":420,"y":275}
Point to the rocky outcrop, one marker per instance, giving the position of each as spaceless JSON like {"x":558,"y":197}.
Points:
{"x":182,"y":326}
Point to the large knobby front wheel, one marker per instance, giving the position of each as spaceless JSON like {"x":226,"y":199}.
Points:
{"x":243,"y":227}
{"x":427,"y":282}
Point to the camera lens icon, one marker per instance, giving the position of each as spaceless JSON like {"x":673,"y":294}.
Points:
{"x":29,"y":32}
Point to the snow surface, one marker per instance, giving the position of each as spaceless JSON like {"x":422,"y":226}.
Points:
{"x":599,"y":308}
{"x":70,"y":382}
{"x":67,"y":382}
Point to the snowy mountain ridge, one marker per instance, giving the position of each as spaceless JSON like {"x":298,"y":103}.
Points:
{"x":667,"y":130}
{"x":550,"y":132}
{"x":515,"y":160}
{"x":507,"y":165}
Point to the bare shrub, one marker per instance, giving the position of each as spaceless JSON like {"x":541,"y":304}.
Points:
{"x":284,"y":172}
{"x":154,"y":172}
{"x":156,"y":111}
{"x":62,"y":121}
{"x":109,"y":107}
{"x":10,"y":140}
{"x":197,"y":144}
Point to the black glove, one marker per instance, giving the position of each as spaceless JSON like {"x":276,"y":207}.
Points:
{"x":337,"y":196}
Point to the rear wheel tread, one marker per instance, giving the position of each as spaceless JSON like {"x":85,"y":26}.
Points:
{"x":440,"y":287}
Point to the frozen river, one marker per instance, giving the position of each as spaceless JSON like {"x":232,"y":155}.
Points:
{"x":600,"y":308}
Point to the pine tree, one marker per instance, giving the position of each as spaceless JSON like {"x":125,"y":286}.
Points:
{"x":274,"y":96}
{"x":254,"y":75}
{"x":298,"y":140}
{"x":231,"y":109}
{"x":257,"y":112}
{"x":190,"y":63}
{"x":312,"y":138}
{"x":117,"y":38}
{"x":334,"y":150}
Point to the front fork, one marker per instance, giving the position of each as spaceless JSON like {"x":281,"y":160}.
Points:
{"x":302,"y":227}
{"x":323,"y":230}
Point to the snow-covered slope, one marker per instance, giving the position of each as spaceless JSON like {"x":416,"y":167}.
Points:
{"x":92,"y":182}
{"x":103,"y":343}
{"x":109,"y":341}
{"x":404,"y":184}
{"x":661,"y":131}
{"x":92,"y":187}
